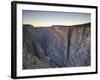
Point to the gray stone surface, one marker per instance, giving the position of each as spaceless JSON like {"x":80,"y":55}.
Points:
{"x":56,"y":46}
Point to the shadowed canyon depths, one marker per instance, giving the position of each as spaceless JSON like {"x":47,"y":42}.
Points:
{"x":56,"y":46}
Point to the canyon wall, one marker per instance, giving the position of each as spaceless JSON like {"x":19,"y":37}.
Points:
{"x":56,"y":46}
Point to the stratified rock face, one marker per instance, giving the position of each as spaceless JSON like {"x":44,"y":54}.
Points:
{"x":56,"y":46}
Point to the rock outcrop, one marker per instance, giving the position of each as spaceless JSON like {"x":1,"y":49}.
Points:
{"x":56,"y":46}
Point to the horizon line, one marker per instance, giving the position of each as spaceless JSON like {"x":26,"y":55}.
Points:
{"x":58,"y":24}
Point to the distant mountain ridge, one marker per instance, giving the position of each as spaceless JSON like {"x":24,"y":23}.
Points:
{"x":56,"y":46}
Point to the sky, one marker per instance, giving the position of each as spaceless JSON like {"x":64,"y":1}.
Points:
{"x":49,"y":18}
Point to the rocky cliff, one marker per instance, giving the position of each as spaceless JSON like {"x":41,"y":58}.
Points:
{"x":56,"y":46}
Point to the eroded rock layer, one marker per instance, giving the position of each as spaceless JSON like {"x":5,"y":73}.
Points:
{"x":56,"y":46}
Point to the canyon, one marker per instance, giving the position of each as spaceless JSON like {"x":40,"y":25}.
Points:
{"x":56,"y":46}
